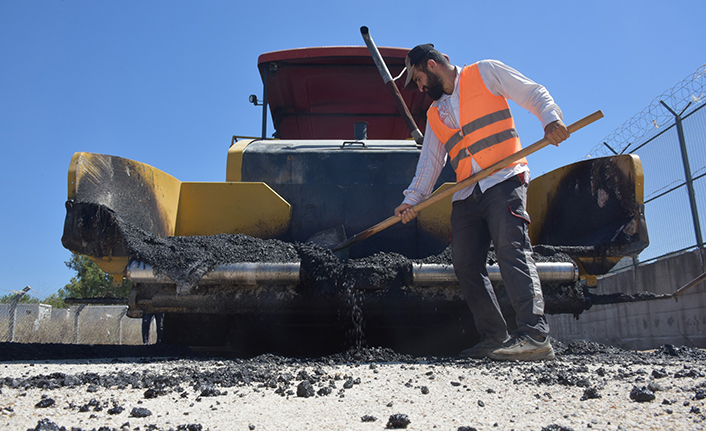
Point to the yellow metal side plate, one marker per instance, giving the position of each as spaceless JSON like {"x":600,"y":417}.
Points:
{"x":252,"y":209}
{"x":543,"y":188}
{"x":135,"y":191}
{"x":99,"y":171}
{"x":586,"y":191}
{"x":234,"y":164}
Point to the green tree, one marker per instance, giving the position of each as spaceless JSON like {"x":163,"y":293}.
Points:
{"x":55,"y":301}
{"x":24,"y":299}
{"x":91,"y":282}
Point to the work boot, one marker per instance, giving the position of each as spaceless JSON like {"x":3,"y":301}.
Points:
{"x":522,"y":347}
{"x":481,"y":349}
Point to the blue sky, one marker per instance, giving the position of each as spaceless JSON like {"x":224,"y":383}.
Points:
{"x":167,"y":83}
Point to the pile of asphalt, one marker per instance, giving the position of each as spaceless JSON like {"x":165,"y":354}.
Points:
{"x":200,"y":378}
{"x":185,"y":260}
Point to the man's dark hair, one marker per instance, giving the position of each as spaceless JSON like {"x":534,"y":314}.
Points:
{"x":432,"y":55}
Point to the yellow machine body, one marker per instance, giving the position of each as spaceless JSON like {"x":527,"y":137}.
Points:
{"x":159,"y":203}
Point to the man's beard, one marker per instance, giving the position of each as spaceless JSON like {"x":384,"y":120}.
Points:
{"x":434,"y":87}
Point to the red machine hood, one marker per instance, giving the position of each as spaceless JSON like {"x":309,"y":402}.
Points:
{"x":319,"y":93}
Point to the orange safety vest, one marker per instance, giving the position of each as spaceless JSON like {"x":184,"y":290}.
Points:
{"x":487,"y":134}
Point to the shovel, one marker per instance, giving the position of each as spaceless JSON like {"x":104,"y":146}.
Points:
{"x":329,"y":238}
{"x":467,"y":182}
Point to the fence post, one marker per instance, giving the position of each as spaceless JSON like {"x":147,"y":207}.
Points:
{"x":120,"y":325}
{"x":79,"y":309}
{"x":13,"y":312}
{"x":687,"y":172}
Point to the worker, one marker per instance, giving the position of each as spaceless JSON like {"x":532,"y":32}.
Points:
{"x":470,"y":121}
{"x":147,"y":322}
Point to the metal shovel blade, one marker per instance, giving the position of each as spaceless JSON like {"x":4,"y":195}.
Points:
{"x":330,"y":238}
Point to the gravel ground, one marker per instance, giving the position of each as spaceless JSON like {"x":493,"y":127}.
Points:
{"x":587,"y":386}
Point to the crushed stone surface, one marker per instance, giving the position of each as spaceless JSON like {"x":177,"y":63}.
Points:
{"x":588,"y":386}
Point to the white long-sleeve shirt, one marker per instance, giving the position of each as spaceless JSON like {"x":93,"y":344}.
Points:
{"x":501,"y":80}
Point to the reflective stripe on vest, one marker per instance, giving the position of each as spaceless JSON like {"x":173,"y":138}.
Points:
{"x":488,"y":133}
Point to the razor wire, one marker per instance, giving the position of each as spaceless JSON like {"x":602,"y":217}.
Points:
{"x":688,"y":95}
{"x":669,"y":136}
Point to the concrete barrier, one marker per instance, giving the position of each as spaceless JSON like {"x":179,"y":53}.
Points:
{"x":648,"y":324}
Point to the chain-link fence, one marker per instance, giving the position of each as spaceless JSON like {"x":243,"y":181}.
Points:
{"x":669,"y":136}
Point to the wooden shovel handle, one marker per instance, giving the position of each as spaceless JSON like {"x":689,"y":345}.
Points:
{"x":585,"y":121}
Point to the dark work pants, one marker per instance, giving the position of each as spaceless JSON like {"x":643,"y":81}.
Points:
{"x":147,"y":321}
{"x":499,"y":215}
